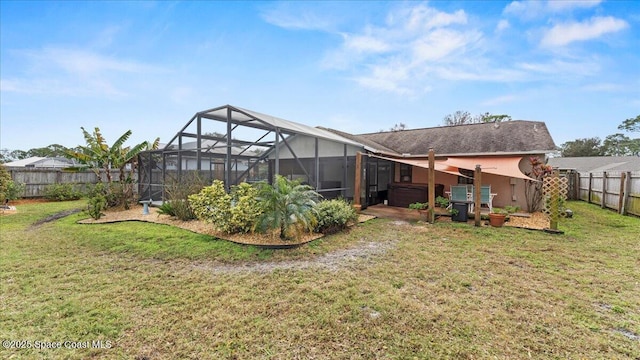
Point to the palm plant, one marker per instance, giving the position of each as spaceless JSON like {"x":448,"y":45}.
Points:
{"x":287,"y":204}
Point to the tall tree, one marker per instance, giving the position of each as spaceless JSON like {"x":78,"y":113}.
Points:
{"x":53,"y":150}
{"x":582,"y":147}
{"x":630,"y":124}
{"x":458,"y":118}
{"x":464,"y":117}
{"x":620,"y":145}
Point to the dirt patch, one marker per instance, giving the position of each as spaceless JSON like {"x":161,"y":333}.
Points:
{"x":55,"y":216}
{"x":266,"y":240}
{"x":28,"y":201}
{"x":364,"y":251}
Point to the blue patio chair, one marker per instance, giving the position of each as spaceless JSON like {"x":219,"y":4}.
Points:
{"x":458,"y":194}
{"x":486,"y":197}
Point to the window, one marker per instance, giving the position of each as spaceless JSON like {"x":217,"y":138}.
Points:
{"x":405,"y":173}
{"x":468,"y":179}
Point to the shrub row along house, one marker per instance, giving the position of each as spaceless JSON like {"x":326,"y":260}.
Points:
{"x":236,"y":145}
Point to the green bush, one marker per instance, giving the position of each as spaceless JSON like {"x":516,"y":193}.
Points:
{"x":288,"y":205}
{"x":9,"y":189}
{"x":232,"y":213}
{"x":166,"y":209}
{"x":62,"y":192}
{"x":334,"y":216}
{"x":96,"y":205}
{"x":442,"y":201}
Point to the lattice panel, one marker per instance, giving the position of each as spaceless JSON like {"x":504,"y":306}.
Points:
{"x":554,"y":188}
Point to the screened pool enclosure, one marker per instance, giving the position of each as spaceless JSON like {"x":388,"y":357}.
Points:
{"x":236,"y":145}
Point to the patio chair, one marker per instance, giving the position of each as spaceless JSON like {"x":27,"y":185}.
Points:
{"x":486,"y":197}
{"x":458,"y":194}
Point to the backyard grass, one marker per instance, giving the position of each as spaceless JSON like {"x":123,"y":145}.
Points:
{"x":385,"y":289}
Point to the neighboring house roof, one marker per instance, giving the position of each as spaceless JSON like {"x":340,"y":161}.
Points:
{"x":513,"y":137}
{"x":597,"y":163}
{"x":42,"y":162}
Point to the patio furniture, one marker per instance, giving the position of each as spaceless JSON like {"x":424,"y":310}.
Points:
{"x":486,"y":197}
{"x":459,"y":195}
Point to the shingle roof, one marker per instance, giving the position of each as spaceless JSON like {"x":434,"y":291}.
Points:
{"x":370,"y":145}
{"x":597,"y":163}
{"x":505,"y":137}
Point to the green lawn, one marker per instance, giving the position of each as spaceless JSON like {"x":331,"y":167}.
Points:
{"x":383,"y":290}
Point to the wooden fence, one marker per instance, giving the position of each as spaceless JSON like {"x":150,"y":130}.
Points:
{"x":37,"y":180}
{"x":617,"y":190}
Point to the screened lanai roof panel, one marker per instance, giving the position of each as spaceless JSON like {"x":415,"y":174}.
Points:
{"x":256,"y":119}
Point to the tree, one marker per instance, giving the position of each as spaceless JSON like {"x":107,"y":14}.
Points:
{"x":620,"y":145}
{"x":488,"y":118}
{"x":398,"y":127}
{"x":98,"y":155}
{"x":288,"y":205}
{"x":458,"y":118}
{"x":582,"y":147}
{"x":53,"y":150}
{"x":630,"y":124}
{"x":533,"y":188}
{"x":18,"y":154}
{"x":464,"y":117}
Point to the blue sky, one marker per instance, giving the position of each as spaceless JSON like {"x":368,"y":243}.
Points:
{"x":354,"y":66}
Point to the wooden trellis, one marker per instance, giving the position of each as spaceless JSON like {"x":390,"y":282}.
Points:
{"x":555,"y":190}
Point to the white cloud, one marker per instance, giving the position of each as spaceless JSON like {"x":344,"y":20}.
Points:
{"x":400,"y":55}
{"x":531,"y":9}
{"x":562,"y":68}
{"x":525,"y":9}
{"x":284,"y":16}
{"x":564,"y":34}
{"x":423,"y":17}
{"x":441,"y":43}
{"x":502,"y":25}
{"x":73,"y":72}
{"x":365,"y":43}
{"x":557,"y":6}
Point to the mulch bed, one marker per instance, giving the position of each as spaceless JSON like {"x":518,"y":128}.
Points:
{"x":269,"y":240}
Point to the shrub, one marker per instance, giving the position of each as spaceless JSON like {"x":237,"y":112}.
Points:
{"x":287,"y":205}
{"x":96,"y":205}
{"x":419,"y":206}
{"x":166,"y":209}
{"x":9,"y":190}
{"x":178,"y":194}
{"x":334,"y":216}
{"x":442,"y":201}
{"x":62,"y":192}
{"x":232,"y":213}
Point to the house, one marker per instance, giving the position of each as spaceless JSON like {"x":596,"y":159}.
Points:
{"x":394,"y":164}
{"x":43,"y":163}
{"x":595,"y":164}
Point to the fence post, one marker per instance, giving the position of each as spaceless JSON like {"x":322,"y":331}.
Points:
{"x":589,"y":189}
{"x":627,"y":190}
{"x":576,"y":189}
{"x":603,"y":202}
{"x":621,"y":193}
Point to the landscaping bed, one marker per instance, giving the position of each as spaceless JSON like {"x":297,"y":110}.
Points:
{"x":269,"y":239}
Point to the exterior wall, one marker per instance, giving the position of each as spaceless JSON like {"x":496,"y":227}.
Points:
{"x":305,"y":147}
